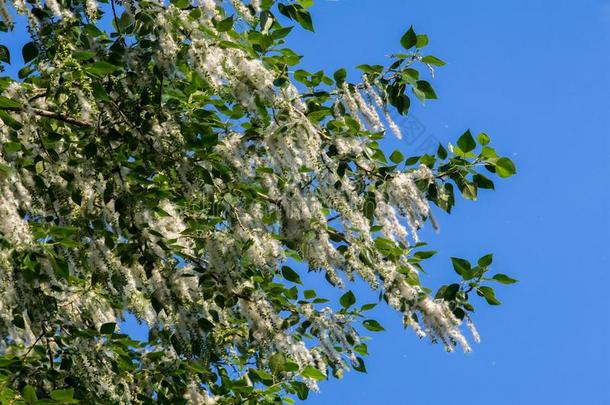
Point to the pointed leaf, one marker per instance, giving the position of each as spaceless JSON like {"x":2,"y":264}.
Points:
{"x":409,"y":39}
{"x":347,"y":300}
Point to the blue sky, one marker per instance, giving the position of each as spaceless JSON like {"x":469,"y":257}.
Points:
{"x":534,"y":75}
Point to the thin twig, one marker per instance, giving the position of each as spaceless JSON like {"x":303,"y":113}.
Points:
{"x":32,"y":347}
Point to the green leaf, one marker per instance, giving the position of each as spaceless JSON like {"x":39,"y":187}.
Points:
{"x":69,"y":243}
{"x":25,"y":71}
{"x":309,"y":294}
{"x":489,"y":295}
{"x":397,"y":157}
{"x":156,"y":302}
{"x":433,"y":60}
{"x":29,"y":52}
{"x":373,"y":70}
{"x":39,"y":167}
{"x":83,"y":55}
{"x":347,"y":300}
{"x":301,"y":389}
{"x":483,"y":138}
{"x":410,"y":75}
{"x":340,"y":76}
{"x":224,"y":25}
{"x":6,"y":102}
{"x":63,"y":231}
{"x":5,"y":171}
{"x":18,"y":321}
{"x":466,"y":142}
{"x":297,"y":13}
{"x":11,"y":147}
{"x":306,"y":3}
{"x":197,"y":368}
{"x":424,"y":254}
{"x":29,"y":394}
{"x":483,"y":182}
{"x":205,"y":324}
{"x":281,"y":32}
{"x":409,"y":39}
{"x":312,"y":372}
{"x":304,"y":18}
{"x":505,"y":167}
{"x":107,"y":328}
{"x":5,"y":55}
{"x":266,"y":22}
{"x":504,"y":279}
{"x":441,"y":152}
{"x":461,"y":266}
{"x":264,"y":376}
{"x":449,"y":292}
{"x":486,"y":260}
{"x":422,"y":40}
{"x":291,"y":275}
{"x":412,"y":160}
{"x":373,"y":325}
{"x":402,"y":104}
{"x":359,"y":365}
{"x":468,"y":189}
{"x":61,"y":267}
{"x":292,"y":293}
{"x":65,"y":396}
{"x":101,"y":68}
{"x":276,"y":362}
{"x":426,"y":89}
{"x":10,"y":121}
{"x":302,"y":76}
{"x":362,"y":349}
{"x":99,"y":92}
{"x":90,"y":150}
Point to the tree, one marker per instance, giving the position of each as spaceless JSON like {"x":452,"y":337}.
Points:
{"x":168,"y":161}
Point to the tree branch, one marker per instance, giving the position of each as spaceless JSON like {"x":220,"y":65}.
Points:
{"x":50,"y":114}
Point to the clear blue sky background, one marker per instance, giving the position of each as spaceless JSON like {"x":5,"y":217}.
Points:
{"x":535,"y":75}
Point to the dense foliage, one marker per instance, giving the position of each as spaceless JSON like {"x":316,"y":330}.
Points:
{"x":171,"y":161}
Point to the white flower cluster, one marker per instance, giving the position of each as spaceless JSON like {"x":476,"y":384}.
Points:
{"x":4,"y":14}
{"x":358,"y":106}
{"x":332,"y":330}
{"x":195,"y":395}
{"x":14,"y":199}
{"x":404,"y":194}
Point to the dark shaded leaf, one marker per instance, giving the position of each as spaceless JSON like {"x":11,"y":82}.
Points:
{"x":5,"y":55}
{"x":466,"y":142}
{"x":409,"y":39}
{"x":489,"y":295}
{"x":107,"y":328}
{"x":291,"y":275}
{"x":347,"y":300}
{"x":29,"y":52}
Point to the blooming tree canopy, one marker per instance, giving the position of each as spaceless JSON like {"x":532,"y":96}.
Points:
{"x":172,"y":162}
